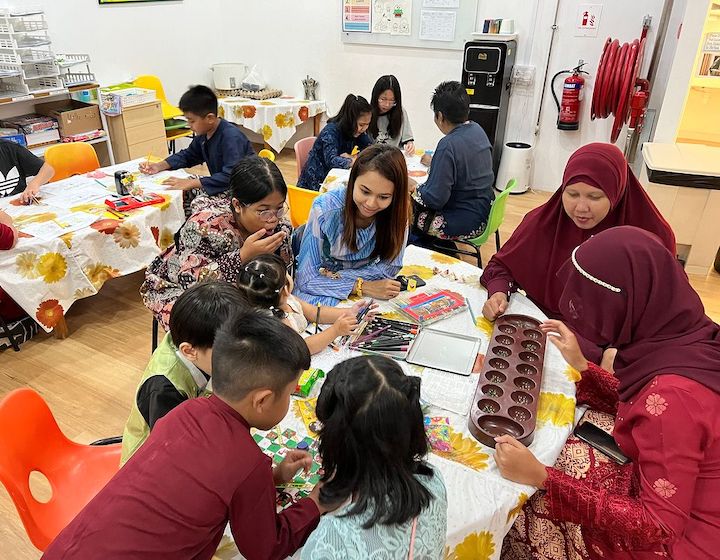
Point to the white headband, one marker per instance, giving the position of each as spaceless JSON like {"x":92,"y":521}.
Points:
{"x":590,"y":277}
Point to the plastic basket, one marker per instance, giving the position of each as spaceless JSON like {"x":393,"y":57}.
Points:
{"x":40,"y":70}
{"x":10,"y":58}
{"x":36,"y":55}
{"x":71,"y":79}
{"x":10,"y":71}
{"x":43,"y":85}
{"x":67,"y":60}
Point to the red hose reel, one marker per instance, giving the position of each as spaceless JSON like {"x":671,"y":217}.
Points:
{"x":618,"y":89}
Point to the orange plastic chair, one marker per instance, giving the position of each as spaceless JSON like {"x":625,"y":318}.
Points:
{"x":300,"y":201}
{"x":30,"y":440}
{"x":73,"y":158}
{"x":302,"y":149}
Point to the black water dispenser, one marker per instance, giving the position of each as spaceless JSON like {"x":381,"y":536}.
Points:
{"x":487,"y":69}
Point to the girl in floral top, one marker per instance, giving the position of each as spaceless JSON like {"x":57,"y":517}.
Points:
{"x":221,"y":234}
{"x":665,"y":394}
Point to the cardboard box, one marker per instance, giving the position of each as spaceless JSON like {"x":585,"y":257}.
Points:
{"x":73,"y":117}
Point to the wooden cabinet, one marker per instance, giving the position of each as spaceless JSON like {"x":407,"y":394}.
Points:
{"x":138,"y":132}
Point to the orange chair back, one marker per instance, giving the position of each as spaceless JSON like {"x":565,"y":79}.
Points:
{"x":302,"y":149}
{"x":73,"y":158}
{"x":300,"y":201}
{"x":30,"y":440}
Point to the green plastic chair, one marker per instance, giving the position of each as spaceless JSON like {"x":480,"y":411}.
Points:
{"x":495,"y":220}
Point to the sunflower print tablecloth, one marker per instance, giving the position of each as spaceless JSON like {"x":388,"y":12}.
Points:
{"x":45,"y":277}
{"x":275,"y":119}
{"x":482,"y":505}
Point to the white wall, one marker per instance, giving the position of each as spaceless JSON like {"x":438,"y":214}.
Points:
{"x":291,"y":38}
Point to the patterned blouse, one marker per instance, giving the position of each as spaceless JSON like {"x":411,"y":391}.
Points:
{"x":667,"y":506}
{"x":327,"y":269}
{"x":206,"y":247}
{"x":340,"y":536}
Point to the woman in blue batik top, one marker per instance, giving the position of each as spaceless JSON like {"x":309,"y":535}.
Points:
{"x":355,"y":236}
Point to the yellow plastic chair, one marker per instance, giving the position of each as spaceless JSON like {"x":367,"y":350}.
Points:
{"x":267,"y":154}
{"x":148,"y":81}
{"x":300,"y":201}
{"x":72,"y":158}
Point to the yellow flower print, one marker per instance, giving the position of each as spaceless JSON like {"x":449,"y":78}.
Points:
{"x":67,"y":239}
{"x":476,"y":546}
{"x":95,"y":209}
{"x":394,"y":316}
{"x":266,"y":132}
{"x":99,"y":273}
{"x":572,"y":374}
{"x":267,"y":103}
{"x":443,"y":259}
{"x":466,"y":451}
{"x":423,"y":272}
{"x":52,"y":267}
{"x":166,"y":239}
{"x":26,"y":265}
{"x":285,"y":120}
{"x":221,"y":111}
{"x":555,"y":408}
{"x":518,"y":507}
{"x":81,"y":293}
{"x":485,"y":326}
{"x":127,"y":236}
{"x":165,"y":205}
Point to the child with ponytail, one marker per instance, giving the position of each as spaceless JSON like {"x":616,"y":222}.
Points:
{"x":264,"y":283}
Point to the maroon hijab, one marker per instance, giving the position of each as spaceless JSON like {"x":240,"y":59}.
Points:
{"x":622,"y":288}
{"x":547,"y":235}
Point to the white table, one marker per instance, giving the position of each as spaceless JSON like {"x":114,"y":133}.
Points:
{"x":46,"y":276}
{"x":482,"y":505}
{"x":337,"y":177}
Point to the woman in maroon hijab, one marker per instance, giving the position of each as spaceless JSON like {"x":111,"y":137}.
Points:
{"x":623,"y":289}
{"x":598,"y":191}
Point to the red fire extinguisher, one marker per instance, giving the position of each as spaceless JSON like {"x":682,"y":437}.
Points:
{"x":572,"y":96}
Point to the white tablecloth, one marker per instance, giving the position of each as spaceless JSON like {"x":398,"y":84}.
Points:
{"x":45,"y":277}
{"x":481,"y":504}
{"x":275,"y":119}
{"x":337,"y":177}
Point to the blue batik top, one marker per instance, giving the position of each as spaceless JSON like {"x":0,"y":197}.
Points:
{"x":322,"y":247}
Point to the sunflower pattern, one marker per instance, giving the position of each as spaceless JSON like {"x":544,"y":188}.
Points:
{"x":275,"y":119}
{"x":52,"y":267}
{"x":556,"y":408}
{"x":466,"y":451}
{"x":127,"y":236}
{"x":476,"y":546}
{"x":99,"y":273}
{"x":26,"y":264}
{"x":49,"y":313}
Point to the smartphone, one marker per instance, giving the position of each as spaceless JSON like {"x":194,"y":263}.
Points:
{"x":404,"y":281}
{"x":601,"y":440}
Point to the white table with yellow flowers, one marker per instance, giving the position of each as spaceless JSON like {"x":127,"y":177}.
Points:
{"x":276,"y":119}
{"x":481,"y":504}
{"x":45,"y":275}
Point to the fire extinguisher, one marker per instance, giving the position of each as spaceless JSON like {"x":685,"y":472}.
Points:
{"x":572,"y":96}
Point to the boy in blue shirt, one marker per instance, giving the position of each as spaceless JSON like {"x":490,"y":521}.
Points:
{"x":218,"y":143}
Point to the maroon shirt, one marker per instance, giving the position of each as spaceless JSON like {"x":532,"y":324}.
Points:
{"x":199,"y":469}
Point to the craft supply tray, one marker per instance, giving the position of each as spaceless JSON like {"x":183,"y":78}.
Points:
{"x":507,"y":394}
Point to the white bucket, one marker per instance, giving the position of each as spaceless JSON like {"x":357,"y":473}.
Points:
{"x":229,"y":75}
{"x":516,"y":163}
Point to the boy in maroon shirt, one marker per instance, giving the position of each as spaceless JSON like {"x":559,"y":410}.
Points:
{"x":200,"y":468}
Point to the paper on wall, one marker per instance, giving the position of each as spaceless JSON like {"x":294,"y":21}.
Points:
{"x":401,"y":18}
{"x":437,"y":26}
{"x":441,"y":3}
{"x":381,"y":16}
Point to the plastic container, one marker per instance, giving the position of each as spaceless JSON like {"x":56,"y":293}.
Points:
{"x":516,"y":163}
{"x":507,"y":394}
{"x":228,"y":75}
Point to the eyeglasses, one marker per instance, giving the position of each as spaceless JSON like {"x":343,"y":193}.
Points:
{"x":269,"y":215}
{"x":386,"y":101}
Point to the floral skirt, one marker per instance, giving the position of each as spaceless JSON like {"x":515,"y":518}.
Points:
{"x":434,"y":224}
{"x":537,"y":536}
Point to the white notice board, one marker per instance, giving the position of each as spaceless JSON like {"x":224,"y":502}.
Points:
{"x":427,"y":24}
